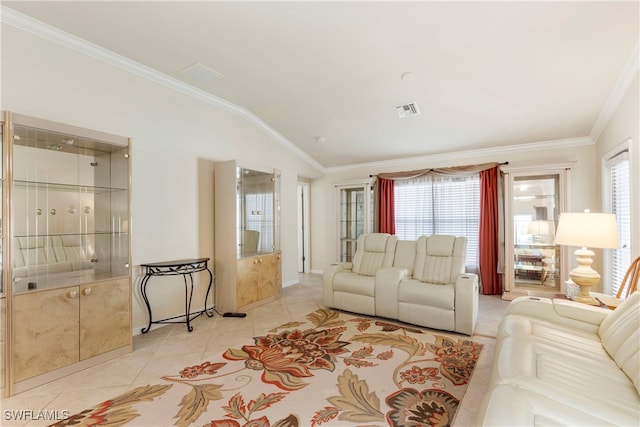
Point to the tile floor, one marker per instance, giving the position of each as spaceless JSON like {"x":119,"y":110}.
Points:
{"x":171,"y":348}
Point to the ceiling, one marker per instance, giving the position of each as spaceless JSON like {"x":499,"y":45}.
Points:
{"x":326,"y":76}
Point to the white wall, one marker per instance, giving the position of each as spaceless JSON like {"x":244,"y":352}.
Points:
{"x":175,"y":141}
{"x":624,"y":125}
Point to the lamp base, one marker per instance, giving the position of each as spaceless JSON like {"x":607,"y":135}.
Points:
{"x":585,"y":277}
{"x":588,"y":299}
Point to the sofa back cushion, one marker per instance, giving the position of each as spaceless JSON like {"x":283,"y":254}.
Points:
{"x":620,"y":335}
{"x":373,"y":252}
{"x":439,"y":258}
{"x":69,"y":248}
{"x":405,"y":256}
{"x":31,"y":251}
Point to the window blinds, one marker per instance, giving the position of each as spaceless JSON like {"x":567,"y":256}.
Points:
{"x":620,"y":199}
{"x":439,"y":205}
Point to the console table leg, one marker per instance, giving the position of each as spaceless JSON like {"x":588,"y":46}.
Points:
{"x":187,"y":299}
{"x":143,"y":292}
{"x":209,"y":311}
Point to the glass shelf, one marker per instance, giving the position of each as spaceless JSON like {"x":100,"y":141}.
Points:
{"x":52,"y":186}
{"x":70,"y":205}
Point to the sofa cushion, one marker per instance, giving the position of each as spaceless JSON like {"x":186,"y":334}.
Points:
{"x":417,"y":292}
{"x":354,"y":283}
{"x":374,"y":251}
{"x":69,"y":248}
{"x":33,"y":251}
{"x":620,"y":334}
{"x":508,"y":405}
{"x":405,"y":255}
{"x":564,"y":364}
{"x":434,"y":259}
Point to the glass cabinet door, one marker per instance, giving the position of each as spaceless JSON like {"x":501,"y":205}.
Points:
{"x":70,"y":206}
{"x":355,"y":217}
{"x":533,"y":261}
{"x":258,"y":212}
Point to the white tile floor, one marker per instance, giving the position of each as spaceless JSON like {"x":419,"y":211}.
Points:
{"x":171,"y":348}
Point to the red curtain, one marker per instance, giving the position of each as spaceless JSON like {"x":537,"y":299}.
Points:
{"x":488,"y":243}
{"x":386,"y":213}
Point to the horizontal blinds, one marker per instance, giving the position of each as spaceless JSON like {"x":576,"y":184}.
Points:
{"x":439,"y":205}
{"x":620,"y":258}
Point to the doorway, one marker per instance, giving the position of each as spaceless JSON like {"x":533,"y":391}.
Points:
{"x":303,"y":228}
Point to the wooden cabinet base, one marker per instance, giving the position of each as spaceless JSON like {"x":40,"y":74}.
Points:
{"x":258,"y":280}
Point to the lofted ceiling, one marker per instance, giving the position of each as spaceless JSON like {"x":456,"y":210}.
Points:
{"x":327,"y":76}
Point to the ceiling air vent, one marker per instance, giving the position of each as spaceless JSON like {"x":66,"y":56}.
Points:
{"x":407,"y":110}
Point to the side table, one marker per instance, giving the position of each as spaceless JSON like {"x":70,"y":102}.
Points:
{"x":184,"y":268}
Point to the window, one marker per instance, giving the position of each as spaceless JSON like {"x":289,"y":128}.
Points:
{"x":439,"y":205}
{"x":619,"y":202}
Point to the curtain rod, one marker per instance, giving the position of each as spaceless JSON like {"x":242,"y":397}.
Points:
{"x":499,"y":164}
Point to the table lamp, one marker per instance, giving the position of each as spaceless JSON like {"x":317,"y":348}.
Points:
{"x":541,"y":230}
{"x":594,"y":230}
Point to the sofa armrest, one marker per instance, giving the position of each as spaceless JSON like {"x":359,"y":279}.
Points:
{"x":564,"y":312}
{"x":386,"y":290}
{"x":327,"y":279}
{"x":466,"y":309}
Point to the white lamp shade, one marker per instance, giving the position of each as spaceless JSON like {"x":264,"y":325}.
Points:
{"x":593,"y":230}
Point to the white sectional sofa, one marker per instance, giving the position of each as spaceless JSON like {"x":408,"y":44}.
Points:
{"x":559,"y":362}
{"x":420,"y":282}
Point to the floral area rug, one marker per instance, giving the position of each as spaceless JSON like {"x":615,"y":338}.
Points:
{"x":332,"y":369}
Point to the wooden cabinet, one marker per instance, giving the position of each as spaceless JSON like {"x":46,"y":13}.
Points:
{"x":65,"y":240}
{"x":534,"y":199}
{"x":105,"y":322}
{"x":247,"y":236}
{"x":45,"y":332}
{"x":258,"y":279}
{"x":59,"y":327}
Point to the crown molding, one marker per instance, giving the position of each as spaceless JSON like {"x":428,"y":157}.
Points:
{"x":495,"y":152}
{"x":40,"y":29}
{"x":621,"y":87}
{"x":55,"y":35}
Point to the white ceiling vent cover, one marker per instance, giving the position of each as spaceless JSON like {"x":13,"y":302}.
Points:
{"x":407,"y":110}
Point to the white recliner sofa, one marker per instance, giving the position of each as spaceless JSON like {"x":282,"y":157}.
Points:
{"x":420,"y":282}
{"x":351,"y":285}
{"x":559,"y":362}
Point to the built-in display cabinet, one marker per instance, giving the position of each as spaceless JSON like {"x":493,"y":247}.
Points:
{"x":534,"y":199}
{"x":355,"y":216}
{"x":247,"y":236}
{"x":65,"y":239}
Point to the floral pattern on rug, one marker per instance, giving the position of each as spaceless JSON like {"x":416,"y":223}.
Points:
{"x":333,"y":369}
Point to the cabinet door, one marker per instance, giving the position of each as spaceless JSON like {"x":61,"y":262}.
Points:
{"x":534,"y":200}
{"x":104,"y":317}
{"x":45,"y":331}
{"x":355,"y":217}
{"x":268,"y":277}
{"x":247,"y":290}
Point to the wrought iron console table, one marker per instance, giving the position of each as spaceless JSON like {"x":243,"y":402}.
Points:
{"x":185,"y":268}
